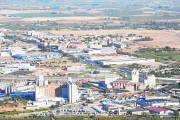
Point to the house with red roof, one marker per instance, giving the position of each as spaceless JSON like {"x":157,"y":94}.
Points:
{"x":159,"y":111}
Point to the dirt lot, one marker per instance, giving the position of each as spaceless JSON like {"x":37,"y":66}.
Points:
{"x":49,"y":66}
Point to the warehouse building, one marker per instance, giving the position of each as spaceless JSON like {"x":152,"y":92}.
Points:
{"x":9,"y":68}
{"x":30,"y":95}
{"x":76,"y":68}
{"x":38,"y":56}
{"x":118,"y":61}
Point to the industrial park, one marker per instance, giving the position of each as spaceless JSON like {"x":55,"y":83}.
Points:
{"x":89,"y":60}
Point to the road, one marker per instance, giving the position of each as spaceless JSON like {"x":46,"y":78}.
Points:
{"x":32,"y":78}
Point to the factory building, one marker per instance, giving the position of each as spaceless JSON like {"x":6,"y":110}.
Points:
{"x":13,"y":87}
{"x":6,"y":69}
{"x":151,"y":81}
{"x":26,"y":95}
{"x":114,"y":59}
{"x":128,"y":84}
{"x":41,"y":81}
{"x":103,"y":50}
{"x":38,"y":56}
{"x":135,"y":75}
{"x":11,"y":51}
{"x":72,"y":91}
{"x":76,"y":68}
{"x":44,"y":90}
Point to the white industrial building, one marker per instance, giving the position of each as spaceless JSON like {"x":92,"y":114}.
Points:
{"x":72,"y":91}
{"x":126,"y":60}
{"x":33,"y":33}
{"x":11,"y":51}
{"x":39,"y":93}
{"x":135,"y":75}
{"x":151,"y":81}
{"x":9,"y":68}
{"x":103,"y":50}
{"x":13,"y":87}
{"x":41,"y":81}
{"x":76,"y":68}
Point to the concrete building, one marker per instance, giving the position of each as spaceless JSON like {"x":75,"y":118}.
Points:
{"x":103,"y":50}
{"x":33,"y":33}
{"x":52,"y":90}
{"x":14,"y":87}
{"x":128,"y":85}
{"x":72,"y":92}
{"x":38,"y":56}
{"x":135,"y":75}
{"x":9,"y":68}
{"x":41,"y":81}
{"x":151,"y":81}
{"x":76,"y":68}
{"x":26,"y":95}
{"x":109,"y":60}
{"x":121,"y":45}
{"x":11,"y":51}
{"x":138,"y":111}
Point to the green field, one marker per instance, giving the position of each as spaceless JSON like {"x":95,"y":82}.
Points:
{"x":165,"y":81}
{"x":33,"y":15}
{"x":128,"y":76}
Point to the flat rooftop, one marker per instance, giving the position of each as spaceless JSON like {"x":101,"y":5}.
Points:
{"x":47,"y":53}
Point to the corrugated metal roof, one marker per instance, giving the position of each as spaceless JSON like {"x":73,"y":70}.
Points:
{"x":156,"y":109}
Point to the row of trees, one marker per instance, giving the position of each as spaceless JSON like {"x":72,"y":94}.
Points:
{"x":145,"y":39}
{"x":171,"y":87}
{"x":166,"y":73}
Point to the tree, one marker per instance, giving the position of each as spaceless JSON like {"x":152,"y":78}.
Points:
{"x":6,"y":103}
{"x":170,"y":57}
{"x":1,"y":103}
{"x":174,"y":49}
{"x":144,"y":114}
{"x":14,"y":110}
{"x":18,"y":97}
{"x":105,"y":89}
{"x":176,"y":114}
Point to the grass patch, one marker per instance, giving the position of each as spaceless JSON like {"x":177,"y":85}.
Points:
{"x":91,"y":67}
{"x":165,"y":81}
{"x":121,"y":74}
{"x":99,"y":98}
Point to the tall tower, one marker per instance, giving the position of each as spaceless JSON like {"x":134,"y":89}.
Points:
{"x":151,"y":80}
{"x":72,"y":92}
{"x":135,"y":75}
{"x":41,"y":80}
{"x":108,"y":42}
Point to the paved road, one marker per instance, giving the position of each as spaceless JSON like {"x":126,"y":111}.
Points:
{"x":32,"y":78}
